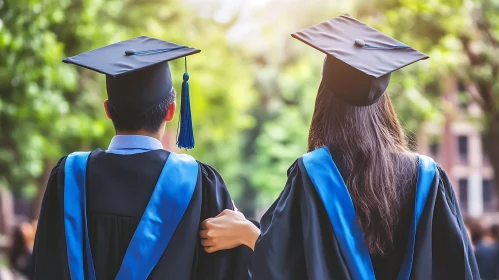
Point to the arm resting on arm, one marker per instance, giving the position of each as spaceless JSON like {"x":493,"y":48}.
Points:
{"x":228,"y":230}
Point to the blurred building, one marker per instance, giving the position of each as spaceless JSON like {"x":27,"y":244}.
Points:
{"x":456,"y":144}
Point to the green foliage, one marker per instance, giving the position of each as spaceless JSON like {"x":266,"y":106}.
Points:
{"x":253,"y":87}
{"x":41,"y":113}
{"x":460,"y":36}
{"x":49,"y":109}
{"x":462,"y":39}
{"x":283,"y":135}
{"x":435,"y":27}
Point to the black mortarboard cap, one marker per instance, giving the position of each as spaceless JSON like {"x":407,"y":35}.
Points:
{"x":360,"y":59}
{"x":138,"y":78}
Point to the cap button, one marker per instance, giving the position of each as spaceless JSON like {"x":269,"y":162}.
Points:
{"x":129,"y":52}
{"x":360,"y":43}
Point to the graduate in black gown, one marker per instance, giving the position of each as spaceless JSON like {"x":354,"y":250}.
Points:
{"x":360,"y":205}
{"x":133,"y":211}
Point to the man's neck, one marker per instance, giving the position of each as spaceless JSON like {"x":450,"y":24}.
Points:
{"x":158,"y":135}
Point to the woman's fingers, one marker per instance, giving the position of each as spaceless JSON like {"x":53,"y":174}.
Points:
{"x":207,"y":242}
{"x":205,"y":223}
{"x":234,"y":206}
{"x":224,"y":213}
{"x":203,"y":233}
{"x":224,"y":231}
{"x":211,"y":249}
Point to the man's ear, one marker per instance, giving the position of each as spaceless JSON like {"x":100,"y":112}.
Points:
{"x":106,"y":107}
{"x":171,"y":112}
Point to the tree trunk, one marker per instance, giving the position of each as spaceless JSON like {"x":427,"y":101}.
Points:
{"x":448,"y":147}
{"x":42,"y":185}
{"x":492,"y":144}
{"x":261,"y":114}
{"x":249,"y":194}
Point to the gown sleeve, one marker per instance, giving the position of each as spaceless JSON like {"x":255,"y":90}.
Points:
{"x":453,"y":256}
{"x":49,"y":259}
{"x":297,"y":240}
{"x":227,"y":264}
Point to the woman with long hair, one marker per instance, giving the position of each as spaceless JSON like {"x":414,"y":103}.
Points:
{"x":360,"y":204}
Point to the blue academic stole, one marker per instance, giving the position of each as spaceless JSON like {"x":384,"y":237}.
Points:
{"x":165,"y":209}
{"x":330,"y":186}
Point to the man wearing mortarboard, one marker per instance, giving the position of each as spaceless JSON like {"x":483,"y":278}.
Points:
{"x":133,"y":211}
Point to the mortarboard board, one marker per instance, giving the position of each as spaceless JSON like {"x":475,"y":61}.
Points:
{"x":138,"y":78}
{"x":360,"y":59}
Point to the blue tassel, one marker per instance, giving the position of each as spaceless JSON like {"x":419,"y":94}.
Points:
{"x":186,"y":135}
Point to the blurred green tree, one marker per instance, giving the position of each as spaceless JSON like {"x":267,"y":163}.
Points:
{"x":48,"y":109}
{"x":42,"y":113}
{"x":287,"y":75}
{"x":253,"y":87}
{"x":462,"y":37}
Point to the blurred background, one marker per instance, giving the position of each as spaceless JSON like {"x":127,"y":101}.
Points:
{"x":252,"y":92}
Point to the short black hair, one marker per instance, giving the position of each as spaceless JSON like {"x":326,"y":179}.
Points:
{"x":150,"y":121}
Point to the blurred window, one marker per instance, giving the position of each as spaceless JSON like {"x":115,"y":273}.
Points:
{"x":434,"y":149}
{"x":485,"y":151}
{"x":462,"y":147}
{"x":463,"y":96}
{"x":463,"y":194}
{"x":488,"y":193}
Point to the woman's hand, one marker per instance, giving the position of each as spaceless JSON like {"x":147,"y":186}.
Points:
{"x":226,"y":231}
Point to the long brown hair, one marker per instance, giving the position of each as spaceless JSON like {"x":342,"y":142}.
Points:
{"x":374,"y":151}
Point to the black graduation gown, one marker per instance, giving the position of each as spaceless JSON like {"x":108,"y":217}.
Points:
{"x":118,"y":191}
{"x":299,"y":242}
